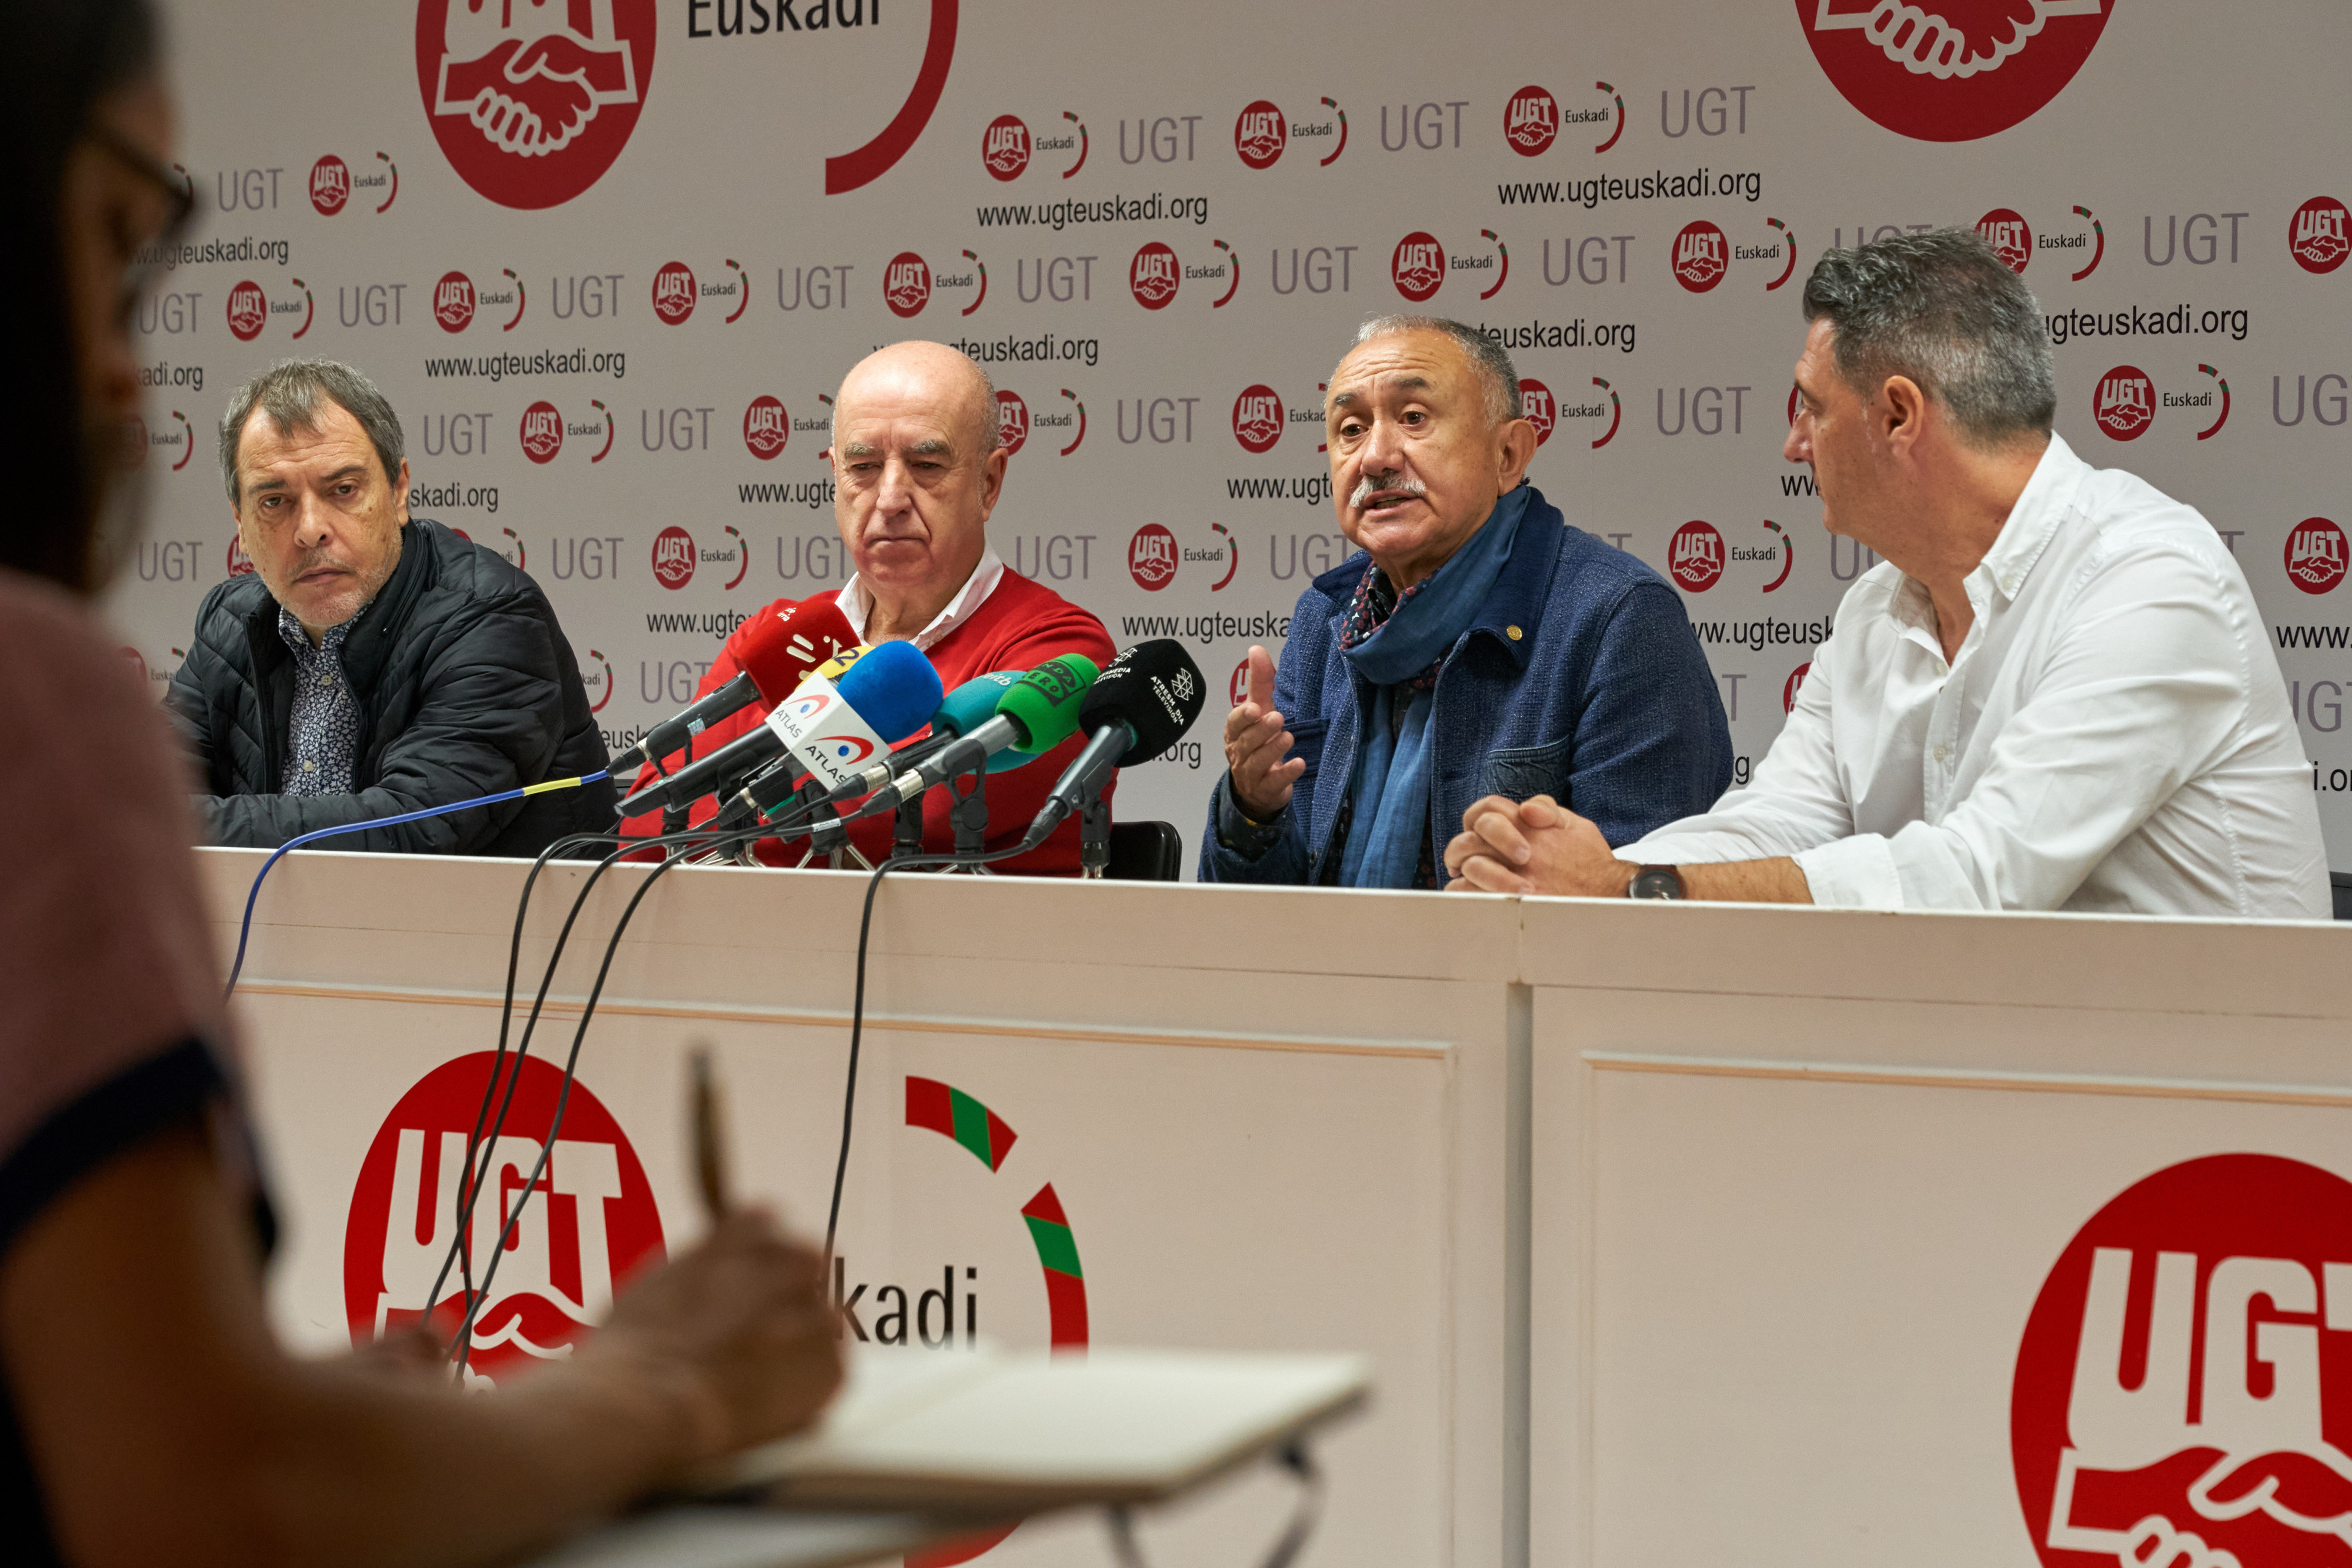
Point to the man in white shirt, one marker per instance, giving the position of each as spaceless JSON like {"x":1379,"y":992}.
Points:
{"x":2055,"y":692}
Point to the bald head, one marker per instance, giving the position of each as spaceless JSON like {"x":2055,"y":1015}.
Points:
{"x":926,"y":375}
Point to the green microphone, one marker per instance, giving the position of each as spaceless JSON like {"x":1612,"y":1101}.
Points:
{"x":1036,"y":714}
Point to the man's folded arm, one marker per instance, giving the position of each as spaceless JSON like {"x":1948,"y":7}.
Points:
{"x":489,"y":721}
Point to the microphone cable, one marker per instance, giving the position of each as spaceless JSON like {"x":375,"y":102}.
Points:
{"x":857,"y":1013}
{"x":478,"y":1160}
{"x":245,"y":928}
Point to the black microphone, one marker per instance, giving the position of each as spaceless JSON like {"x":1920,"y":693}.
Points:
{"x":1141,"y":704}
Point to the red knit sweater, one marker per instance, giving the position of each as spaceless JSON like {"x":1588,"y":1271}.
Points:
{"x":1021,"y":625}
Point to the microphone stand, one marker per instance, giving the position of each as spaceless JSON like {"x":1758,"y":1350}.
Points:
{"x":1093,"y":838}
{"x":970,"y":816}
{"x":907,"y":827}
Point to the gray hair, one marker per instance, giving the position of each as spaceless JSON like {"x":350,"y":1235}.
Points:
{"x":290,"y":391}
{"x":1496,"y":373}
{"x":1944,"y":310}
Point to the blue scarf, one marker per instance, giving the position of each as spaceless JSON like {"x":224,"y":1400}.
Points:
{"x":1399,"y":656}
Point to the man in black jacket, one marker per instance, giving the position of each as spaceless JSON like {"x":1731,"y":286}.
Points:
{"x":372,"y":664}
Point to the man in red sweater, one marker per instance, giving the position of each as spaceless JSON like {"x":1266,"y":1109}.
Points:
{"x":917,"y":469}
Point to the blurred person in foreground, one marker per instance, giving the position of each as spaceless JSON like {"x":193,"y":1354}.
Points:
{"x":372,"y":664}
{"x":919,"y":469}
{"x":2054,"y":692}
{"x":1477,"y":642}
{"x":147,"y":1416}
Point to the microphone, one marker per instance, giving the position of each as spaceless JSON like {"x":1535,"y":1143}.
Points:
{"x":1142,"y":704}
{"x":832,"y":733}
{"x":889,"y":688}
{"x":1035,"y":714}
{"x":967,"y":708}
{"x":777,"y":652}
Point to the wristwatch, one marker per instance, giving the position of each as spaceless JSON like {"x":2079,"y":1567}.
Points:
{"x":1656,"y":881}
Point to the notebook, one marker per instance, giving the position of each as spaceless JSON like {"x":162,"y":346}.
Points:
{"x":1004,"y":1433}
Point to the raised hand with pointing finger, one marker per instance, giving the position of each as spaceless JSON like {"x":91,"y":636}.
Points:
{"x":1257,"y":746}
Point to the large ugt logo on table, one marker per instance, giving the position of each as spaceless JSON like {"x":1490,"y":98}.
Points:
{"x":533,"y":99}
{"x":2183,"y":1395}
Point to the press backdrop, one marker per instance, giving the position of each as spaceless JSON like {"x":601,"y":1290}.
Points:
{"x":610,"y":257}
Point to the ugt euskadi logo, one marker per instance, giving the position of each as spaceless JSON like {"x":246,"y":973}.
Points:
{"x":2183,"y":1393}
{"x":1952,"y":70}
{"x":591,"y":1223}
{"x":531,"y":101}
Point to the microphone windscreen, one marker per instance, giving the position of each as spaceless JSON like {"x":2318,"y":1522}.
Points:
{"x":779,"y":649}
{"x":973,"y":703}
{"x":893,"y":688}
{"x":1045,"y":702}
{"x":1155,"y":687}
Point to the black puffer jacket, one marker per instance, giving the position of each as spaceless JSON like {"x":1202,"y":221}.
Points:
{"x":465,"y":684}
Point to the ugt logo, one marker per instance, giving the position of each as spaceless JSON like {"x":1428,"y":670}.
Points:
{"x":1530,"y":120}
{"x":1260,"y":135}
{"x":674,"y":292}
{"x":587,"y":1222}
{"x":907,"y":284}
{"x":1700,"y":256}
{"x":530,"y":102}
{"x":1152,"y":276}
{"x":2181,"y":1394}
{"x":766,"y":427}
{"x":2315,"y":555}
{"x":1011,"y":421}
{"x":673,"y":557}
{"x":1962,"y":70}
{"x":248,"y":310}
{"x":2125,"y":405}
{"x":1151,"y":558}
{"x":453,"y":302}
{"x":1257,"y":419}
{"x":542,"y":433}
{"x":2315,"y":236}
{"x":1417,"y":266}
{"x":1537,"y":408}
{"x":330,"y":185}
{"x":2010,"y":238}
{"x":1695,"y":556}
{"x":1004,"y":147}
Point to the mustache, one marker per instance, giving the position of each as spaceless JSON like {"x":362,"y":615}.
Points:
{"x":1381,"y":483}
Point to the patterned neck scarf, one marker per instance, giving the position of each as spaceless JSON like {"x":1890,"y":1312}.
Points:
{"x":1399,"y":642}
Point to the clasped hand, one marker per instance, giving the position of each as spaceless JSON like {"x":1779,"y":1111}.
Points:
{"x":1537,"y":845}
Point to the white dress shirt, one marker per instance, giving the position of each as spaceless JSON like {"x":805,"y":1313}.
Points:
{"x":2114,"y":736}
{"x":856,"y":603}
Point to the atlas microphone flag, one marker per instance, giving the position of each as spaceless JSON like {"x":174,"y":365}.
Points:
{"x":891,"y":686}
{"x":834,"y":732}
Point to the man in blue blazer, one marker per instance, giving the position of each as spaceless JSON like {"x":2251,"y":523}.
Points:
{"x":1476,"y":644}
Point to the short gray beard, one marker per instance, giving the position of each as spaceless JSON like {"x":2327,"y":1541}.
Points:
{"x":1371,"y":485}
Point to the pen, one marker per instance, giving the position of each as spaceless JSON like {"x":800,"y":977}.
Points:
{"x":710,"y":1133}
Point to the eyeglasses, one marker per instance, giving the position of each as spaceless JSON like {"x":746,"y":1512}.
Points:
{"x":178,"y":192}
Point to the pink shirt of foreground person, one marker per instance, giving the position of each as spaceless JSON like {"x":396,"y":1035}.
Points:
{"x":161,"y":1421}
